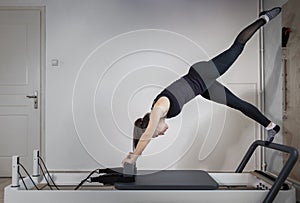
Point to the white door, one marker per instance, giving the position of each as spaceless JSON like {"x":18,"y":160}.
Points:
{"x":19,"y":77}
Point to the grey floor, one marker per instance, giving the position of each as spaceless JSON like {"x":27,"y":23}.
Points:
{"x":3,"y":183}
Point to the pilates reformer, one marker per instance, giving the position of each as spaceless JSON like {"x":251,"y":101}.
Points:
{"x":126,"y":184}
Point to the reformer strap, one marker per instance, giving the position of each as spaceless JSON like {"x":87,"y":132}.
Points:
{"x":110,"y":176}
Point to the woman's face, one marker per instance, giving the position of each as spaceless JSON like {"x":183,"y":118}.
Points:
{"x":162,"y":127}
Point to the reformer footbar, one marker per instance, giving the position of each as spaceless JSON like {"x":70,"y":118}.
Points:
{"x":285,"y":171}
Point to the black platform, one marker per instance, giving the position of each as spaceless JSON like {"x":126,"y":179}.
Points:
{"x":171,"y":180}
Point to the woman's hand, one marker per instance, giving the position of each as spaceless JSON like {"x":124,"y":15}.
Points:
{"x":130,"y":158}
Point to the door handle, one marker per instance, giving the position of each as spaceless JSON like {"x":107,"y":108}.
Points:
{"x":31,"y":96}
{"x":35,"y":99}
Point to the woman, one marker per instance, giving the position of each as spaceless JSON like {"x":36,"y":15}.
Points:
{"x":201,"y":80}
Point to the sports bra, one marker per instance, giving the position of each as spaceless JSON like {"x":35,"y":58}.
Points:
{"x":182,"y":91}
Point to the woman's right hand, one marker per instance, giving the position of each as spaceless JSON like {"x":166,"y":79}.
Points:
{"x":130,"y":158}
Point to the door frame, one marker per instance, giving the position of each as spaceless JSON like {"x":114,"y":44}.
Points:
{"x":42,"y":10}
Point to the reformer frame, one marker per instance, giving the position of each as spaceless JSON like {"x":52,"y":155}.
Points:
{"x":231,"y":187}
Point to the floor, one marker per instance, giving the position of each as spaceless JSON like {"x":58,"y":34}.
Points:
{"x":3,"y":183}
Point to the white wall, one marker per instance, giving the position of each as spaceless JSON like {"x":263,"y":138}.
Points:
{"x":116,"y":55}
{"x":75,"y":32}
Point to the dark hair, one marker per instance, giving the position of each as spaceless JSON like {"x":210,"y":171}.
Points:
{"x":140,"y":126}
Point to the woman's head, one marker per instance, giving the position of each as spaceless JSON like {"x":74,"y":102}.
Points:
{"x":141,"y":124}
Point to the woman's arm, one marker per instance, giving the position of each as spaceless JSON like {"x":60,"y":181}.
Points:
{"x":156,"y":114}
{"x":159,"y":111}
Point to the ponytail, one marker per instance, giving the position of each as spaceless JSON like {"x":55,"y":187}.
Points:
{"x":140,"y":126}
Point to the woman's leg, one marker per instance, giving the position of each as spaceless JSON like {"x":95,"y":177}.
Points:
{"x":211,"y":70}
{"x":224,"y":60}
{"x":220,"y":94}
